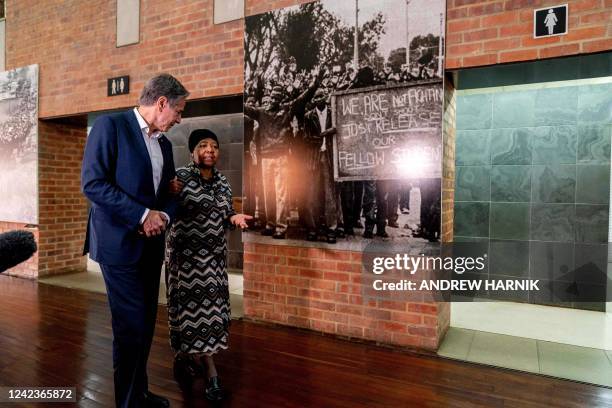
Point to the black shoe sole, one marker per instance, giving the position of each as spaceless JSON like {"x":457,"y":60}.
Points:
{"x":211,"y":399}
{"x":215,"y":398}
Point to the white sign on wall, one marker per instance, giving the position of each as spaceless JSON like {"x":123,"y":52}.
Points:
{"x":550,"y":21}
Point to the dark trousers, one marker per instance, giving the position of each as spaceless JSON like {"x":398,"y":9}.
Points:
{"x":405,"y":196}
{"x":430,"y":207}
{"x":132,"y":295}
{"x":320,"y":200}
{"x":248,"y":185}
{"x":351,"y":195}
{"x":375,"y":204}
{"x":393,"y":195}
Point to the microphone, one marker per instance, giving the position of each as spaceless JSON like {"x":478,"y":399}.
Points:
{"x":16,"y":247}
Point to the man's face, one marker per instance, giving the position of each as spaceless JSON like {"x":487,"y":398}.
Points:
{"x":319,"y":101}
{"x":206,"y":153}
{"x":169,"y":115}
{"x":274,"y":102}
{"x":265,"y":102}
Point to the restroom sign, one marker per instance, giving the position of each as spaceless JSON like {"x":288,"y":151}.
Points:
{"x":550,"y":21}
{"x":118,"y":86}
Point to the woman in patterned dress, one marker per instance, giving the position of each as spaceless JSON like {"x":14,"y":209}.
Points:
{"x":196,"y":254}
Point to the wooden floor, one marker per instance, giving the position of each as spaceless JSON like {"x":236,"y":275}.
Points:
{"x":52,"y":336}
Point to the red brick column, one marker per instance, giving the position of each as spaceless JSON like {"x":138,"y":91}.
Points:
{"x":62,"y":206}
{"x":448,"y":185}
{"x":448,"y":161}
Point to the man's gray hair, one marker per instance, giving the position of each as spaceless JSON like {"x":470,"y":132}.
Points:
{"x":162,"y":85}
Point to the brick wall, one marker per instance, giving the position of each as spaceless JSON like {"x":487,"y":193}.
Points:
{"x":448,"y":186}
{"x":74,"y":44}
{"x":62,"y":207}
{"x":321,"y":290}
{"x":77,"y":52}
{"x":28,"y":269}
{"x":497,"y":31}
{"x":448,"y":161}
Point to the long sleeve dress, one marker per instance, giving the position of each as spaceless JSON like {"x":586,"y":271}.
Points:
{"x":196,"y":263}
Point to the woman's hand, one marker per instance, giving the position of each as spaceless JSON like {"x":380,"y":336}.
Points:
{"x":240,"y":220}
{"x":175,"y":187}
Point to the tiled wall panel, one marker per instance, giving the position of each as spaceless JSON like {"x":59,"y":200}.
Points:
{"x":533,"y":183}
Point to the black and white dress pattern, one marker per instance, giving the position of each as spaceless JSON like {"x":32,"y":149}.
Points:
{"x":196,"y":260}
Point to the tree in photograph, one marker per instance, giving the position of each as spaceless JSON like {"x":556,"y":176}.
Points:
{"x":260,"y":42}
{"x":337,"y":40}
{"x":299,"y":37}
{"x":424,"y":53}
{"x":307,"y":36}
{"x":397,"y":58}
{"x":369,"y":39}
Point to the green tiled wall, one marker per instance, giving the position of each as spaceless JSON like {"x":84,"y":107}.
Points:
{"x":533,"y":178}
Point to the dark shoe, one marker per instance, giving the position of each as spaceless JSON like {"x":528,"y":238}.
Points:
{"x":358,"y":225}
{"x":268,"y":232}
{"x":349,"y":231}
{"x":185,"y":371}
{"x":154,"y":401}
{"x":340,"y":232}
{"x":368,"y":234}
{"x":331,"y":237}
{"x":382,"y":234}
{"x":278,"y":235}
{"x":213,"y":391}
{"x":312,"y":236}
{"x":393,"y":224}
{"x":257,"y":224}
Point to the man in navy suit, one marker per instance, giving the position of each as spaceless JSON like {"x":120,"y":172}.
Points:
{"x":126,"y":174}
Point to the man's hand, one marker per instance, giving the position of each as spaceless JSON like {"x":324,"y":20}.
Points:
{"x":329,"y":132}
{"x":319,"y":73}
{"x":240,"y":220}
{"x":175,"y":186}
{"x":154,"y":224}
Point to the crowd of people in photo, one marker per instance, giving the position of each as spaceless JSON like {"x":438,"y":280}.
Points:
{"x":17,"y":137}
{"x":289,"y":179}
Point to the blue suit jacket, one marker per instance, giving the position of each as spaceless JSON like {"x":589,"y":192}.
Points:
{"x":117,"y":178}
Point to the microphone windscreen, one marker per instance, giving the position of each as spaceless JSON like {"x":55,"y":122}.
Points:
{"x":15,"y":247}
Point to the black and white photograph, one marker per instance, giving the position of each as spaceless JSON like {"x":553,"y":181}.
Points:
{"x":343,"y":123}
{"x":18,"y":144}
